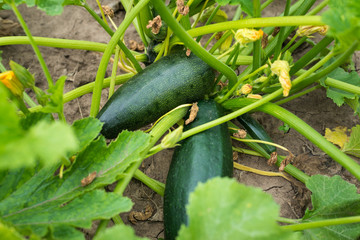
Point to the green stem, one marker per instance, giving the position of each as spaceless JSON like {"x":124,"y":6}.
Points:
{"x":65,"y":43}
{"x":114,"y":70}
{"x":286,"y":220}
{"x":318,"y":8}
{"x":265,"y":4}
{"x":246,"y":151}
{"x":257,"y":44}
{"x":156,"y":186}
{"x":342,"y":85}
{"x":28,"y":100}
{"x":281,"y":37}
{"x":33,"y":44}
{"x":304,"y":60}
{"x":294,"y":96}
{"x":111,"y":33}
{"x":289,"y":43}
{"x":256,"y":23}
{"x":290,"y":169}
{"x":192,"y":44}
{"x":159,"y":129}
{"x":102,"y":12}
{"x":322,"y":223}
{"x":242,"y":79}
{"x":304,"y":129}
{"x":208,"y":21}
{"x":297,"y":44}
{"x":95,"y":103}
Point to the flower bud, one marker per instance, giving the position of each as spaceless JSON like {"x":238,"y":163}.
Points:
{"x":281,"y":68}
{"x":245,"y":35}
{"x":9,"y":79}
{"x":170,"y":140}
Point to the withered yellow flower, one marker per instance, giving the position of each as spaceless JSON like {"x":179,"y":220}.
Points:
{"x":254,"y":96}
{"x":246,"y":35}
{"x":309,"y":30}
{"x":281,"y":68}
{"x":246,"y":89}
{"x":9,"y":79}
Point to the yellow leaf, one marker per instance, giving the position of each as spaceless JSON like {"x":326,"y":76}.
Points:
{"x":338,"y":136}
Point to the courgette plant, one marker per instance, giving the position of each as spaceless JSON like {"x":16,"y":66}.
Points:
{"x":53,"y":174}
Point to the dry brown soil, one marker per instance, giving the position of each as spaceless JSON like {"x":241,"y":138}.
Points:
{"x":80,"y":67}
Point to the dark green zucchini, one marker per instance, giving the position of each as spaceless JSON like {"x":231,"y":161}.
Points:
{"x":173,"y":80}
{"x":256,"y":131}
{"x":198,"y":158}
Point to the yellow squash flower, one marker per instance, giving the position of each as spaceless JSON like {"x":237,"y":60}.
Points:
{"x":309,"y":30}
{"x":246,"y":35}
{"x":9,"y":79}
{"x":281,"y":68}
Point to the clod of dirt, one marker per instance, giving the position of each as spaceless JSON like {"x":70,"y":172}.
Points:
{"x":144,"y":215}
{"x":9,"y":28}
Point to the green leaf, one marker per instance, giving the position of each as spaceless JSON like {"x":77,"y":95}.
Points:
{"x":340,"y":96}
{"x":352,"y":147}
{"x":86,"y":130}
{"x":51,"y":7}
{"x":79,"y":212}
{"x":46,"y":142}
{"x":246,"y":5}
{"x":9,"y":233}
{"x":343,"y":17}
{"x":332,"y":197}
{"x":60,"y":232}
{"x":40,"y":202}
{"x":221,"y":208}
{"x":55,"y":104}
{"x":21,"y":147}
{"x":118,"y":232}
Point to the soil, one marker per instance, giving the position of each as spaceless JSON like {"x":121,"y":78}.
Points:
{"x":80,"y":68}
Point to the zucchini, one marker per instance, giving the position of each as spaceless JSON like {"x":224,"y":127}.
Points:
{"x":256,"y":131}
{"x":198,"y":158}
{"x":173,"y":80}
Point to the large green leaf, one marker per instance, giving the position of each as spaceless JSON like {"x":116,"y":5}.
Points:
{"x":85,"y":131}
{"x":9,"y":233}
{"x":22,"y":145}
{"x":221,"y":208}
{"x":118,"y":232}
{"x":51,"y":7}
{"x":79,"y":212}
{"x":343,"y":17}
{"x":39,"y":200}
{"x":332,"y":197}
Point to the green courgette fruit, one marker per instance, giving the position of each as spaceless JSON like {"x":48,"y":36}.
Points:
{"x":256,"y":131}
{"x":173,"y":80}
{"x":198,"y":158}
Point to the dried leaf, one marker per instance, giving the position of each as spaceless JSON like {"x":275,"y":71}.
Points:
{"x":193,"y":112}
{"x":135,"y":216}
{"x":337,"y":136}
